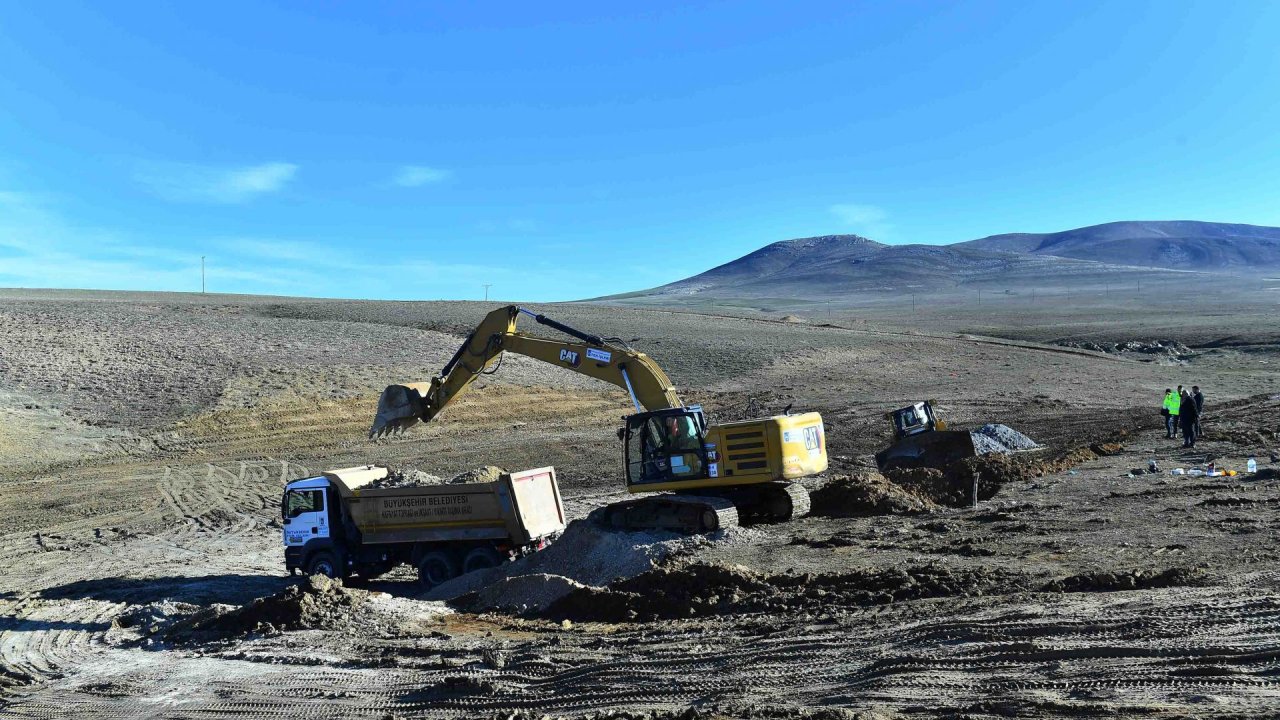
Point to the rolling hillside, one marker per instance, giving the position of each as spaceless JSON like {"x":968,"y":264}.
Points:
{"x":834,"y":266}
{"x":1178,"y":244}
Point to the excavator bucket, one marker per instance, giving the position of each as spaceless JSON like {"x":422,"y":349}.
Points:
{"x":933,"y":449}
{"x":399,"y":408}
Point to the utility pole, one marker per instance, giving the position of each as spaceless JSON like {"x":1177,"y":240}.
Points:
{"x":913,"y":303}
{"x":486,"y":291}
{"x":201,"y":274}
{"x":1033,"y":296}
{"x":979,"y":296}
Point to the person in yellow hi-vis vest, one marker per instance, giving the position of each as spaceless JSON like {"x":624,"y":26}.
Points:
{"x":1170,"y":411}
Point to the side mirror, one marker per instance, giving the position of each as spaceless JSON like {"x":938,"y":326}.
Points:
{"x":622,"y":434}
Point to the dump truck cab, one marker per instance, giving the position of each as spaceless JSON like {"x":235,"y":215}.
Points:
{"x":312,"y":520}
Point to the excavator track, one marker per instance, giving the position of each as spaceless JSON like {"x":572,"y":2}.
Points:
{"x":799,"y":500}
{"x":688,"y":514}
{"x":776,"y":501}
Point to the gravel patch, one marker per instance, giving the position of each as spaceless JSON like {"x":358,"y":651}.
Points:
{"x":993,"y":437}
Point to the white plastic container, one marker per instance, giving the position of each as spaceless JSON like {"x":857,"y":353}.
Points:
{"x":1253,"y":465}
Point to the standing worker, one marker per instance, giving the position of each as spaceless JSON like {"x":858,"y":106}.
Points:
{"x":1189,"y":417}
{"x":1198,"y":397}
{"x":1170,"y":412}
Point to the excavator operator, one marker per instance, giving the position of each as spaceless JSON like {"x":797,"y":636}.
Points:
{"x":681,"y":446}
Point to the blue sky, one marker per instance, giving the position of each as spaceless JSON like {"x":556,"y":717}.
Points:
{"x":565,"y":150}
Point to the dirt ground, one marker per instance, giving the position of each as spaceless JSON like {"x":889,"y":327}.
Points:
{"x":145,"y":440}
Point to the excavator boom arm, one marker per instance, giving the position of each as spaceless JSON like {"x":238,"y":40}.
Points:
{"x":401,"y":406}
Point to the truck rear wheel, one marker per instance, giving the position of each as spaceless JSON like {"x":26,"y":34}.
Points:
{"x":481,"y":558}
{"x":323,"y":564}
{"x":436,"y":567}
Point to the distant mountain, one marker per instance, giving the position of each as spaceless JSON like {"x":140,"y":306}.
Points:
{"x":1176,"y":244}
{"x":834,"y":265}
{"x":831,"y":266}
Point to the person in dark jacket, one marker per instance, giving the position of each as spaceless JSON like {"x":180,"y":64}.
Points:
{"x":1198,"y":397}
{"x":1188,"y":415}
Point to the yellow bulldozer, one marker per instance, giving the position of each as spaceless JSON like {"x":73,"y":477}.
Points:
{"x":708,"y":476}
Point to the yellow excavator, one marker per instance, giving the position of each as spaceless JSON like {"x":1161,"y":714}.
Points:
{"x":710,"y":477}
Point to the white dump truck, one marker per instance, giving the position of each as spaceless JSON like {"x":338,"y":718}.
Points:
{"x":336,"y":524}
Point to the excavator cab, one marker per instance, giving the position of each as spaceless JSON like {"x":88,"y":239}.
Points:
{"x":665,"y":445}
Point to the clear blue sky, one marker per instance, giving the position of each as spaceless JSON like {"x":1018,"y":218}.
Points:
{"x":414,"y":150}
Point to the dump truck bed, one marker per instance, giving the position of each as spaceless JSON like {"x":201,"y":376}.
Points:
{"x":521,"y":507}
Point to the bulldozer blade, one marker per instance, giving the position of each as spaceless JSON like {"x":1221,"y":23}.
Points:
{"x":935,"y":449}
{"x":399,"y":408}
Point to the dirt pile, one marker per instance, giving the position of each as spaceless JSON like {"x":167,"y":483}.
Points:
{"x":931,"y":483}
{"x":955,"y":485}
{"x":412,"y":478}
{"x":317,"y":603}
{"x":731,"y":711}
{"x":1128,"y":580}
{"x":867,"y":493}
{"x":482,"y":474}
{"x":701,"y":590}
{"x":586,"y":554}
{"x":398,"y":478}
{"x":1106,"y":449}
{"x":1166,"y":348}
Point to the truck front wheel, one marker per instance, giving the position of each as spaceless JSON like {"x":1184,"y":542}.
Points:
{"x":436,"y":567}
{"x":323,"y":564}
{"x":481,"y":558}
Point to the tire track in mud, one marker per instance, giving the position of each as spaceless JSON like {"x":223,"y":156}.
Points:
{"x":216,"y":513}
{"x":1032,"y":647}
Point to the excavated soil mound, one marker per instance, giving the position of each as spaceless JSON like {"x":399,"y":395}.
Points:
{"x":405,"y":478}
{"x":413,"y":478}
{"x":928,"y":483}
{"x":318,"y":603}
{"x":1106,"y":449}
{"x":954,"y":486}
{"x":1128,"y":580}
{"x":586,"y":554}
{"x":743,"y":710}
{"x":867,"y":493}
{"x":486,"y":473}
{"x":700,"y":590}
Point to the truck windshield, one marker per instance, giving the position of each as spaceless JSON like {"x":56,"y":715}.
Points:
{"x":297,"y":502}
